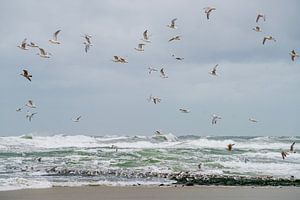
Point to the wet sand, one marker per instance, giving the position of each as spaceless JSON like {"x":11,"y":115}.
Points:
{"x":153,"y":193}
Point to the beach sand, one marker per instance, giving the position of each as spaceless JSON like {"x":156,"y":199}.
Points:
{"x":153,"y":193}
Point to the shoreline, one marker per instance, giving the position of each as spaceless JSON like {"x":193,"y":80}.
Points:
{"x":153,"y":192}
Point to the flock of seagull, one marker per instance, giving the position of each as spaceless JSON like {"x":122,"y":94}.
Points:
{"x":140,"y":47}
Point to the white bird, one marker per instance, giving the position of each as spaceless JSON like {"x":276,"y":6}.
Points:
{"x":77,"y":119}
{"x":26,"y":74}
{"x":257,"y":29}
{"x":155,"y":100}
{"x":260,"y":16}
{"x":32,"y":44}
{"x":177,"y":37}
{"x":183,"y":110}
{"x":177,"y":58}
{"x":87,"y":42}
{"x":163,"y":74}
{"x":208,"y":10}
{"x":214,"y":70}
{"x":29,"y":115}
{"x":293,"y":55}
{"x":19,"y":109}
{"x":253,"y":120}
{"x":215,"y":118}
{"x":54,"y":40}
{"x":43,"y":53}
{"x":268,"y":38}
{"x":140,"y":47}
{"x":30,"y":104}
{"x":119,"y":59}
{"x":152,"y":70}
{"x":23,"y":45}
{"x":172,"y":25}
{"x":145,"y":36}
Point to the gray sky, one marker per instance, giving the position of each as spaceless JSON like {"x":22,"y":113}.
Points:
{"x":254,"y":80}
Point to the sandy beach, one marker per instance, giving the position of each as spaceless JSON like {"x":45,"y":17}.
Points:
{"x":153,"y":193}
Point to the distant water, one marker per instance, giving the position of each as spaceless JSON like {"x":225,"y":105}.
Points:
{"x":87,"y":160}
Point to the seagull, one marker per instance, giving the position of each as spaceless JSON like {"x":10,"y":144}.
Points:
{"x":292,"y":148}
{"x":33,"y":45}
{"x":257,"y":29}
{"x":229,"y":147}
{"x":260,"y":16}
{"x":23,"y":45}
{"x":177,"y":37}
{"x":214,"y":70}
{"x":152,"y":70}
{"x":253,"y":120}
{"x":145,"y":36}
{"x":43,"y":53}
{"x":87,"y":43}
{"x":268,"y":38}
{"x":30,"y":115}
{"x":119,"y":59}
{"x":293,"y":55}
{"x":26,"y":74}
{"x":208,"y":11}
{"x":19,"y":110}
{"x":154,"y":99}
{"x":163,"y":74}
{"x":172,"y":25}
{"x":54,"y":40}
{"x":177,"y":58}
{"x":30,"y":104}
{"x":284,"y":154}
{"x":140,"y":47}
{"x":215,"y":118}
{"x":183,"y":110}
{"x":77,"y":119}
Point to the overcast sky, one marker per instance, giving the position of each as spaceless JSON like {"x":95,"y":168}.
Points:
{"x":254,"y":80}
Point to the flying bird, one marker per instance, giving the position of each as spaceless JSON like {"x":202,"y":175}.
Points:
{"x":87,"y":43}
{"x":229,"y":147}
{"x":163,"y":74}
{"x":30,"y":104}
{"x":29,"y":115}
{"x":177,"y":58}
{"x":260,"y":16}
{"x":119,"y":59}
{"x":183,"y":110}
{"x":155,"y":100}
{"x":292,"y":148}
{"x":43,"y":53}
{"x":23,"y":45}
{"x":152,"y":70}
{"x":293,"y":55}
{"x":172,"y":25}
{"x":177,"y":37}
{"x":253,"y":120}
{"x":19,"y":109}
{"x":145,"y":36}
{"x":215,"y":119}
{"x":77,"y":119}
{"x":208,"y":10}
{"x":140,"y":47}
{"x":268,"y":38}
{"x":26,"y":74}
{"x":214,"y":70}
{"x":257,"y":29}
{"x":54,"y":40}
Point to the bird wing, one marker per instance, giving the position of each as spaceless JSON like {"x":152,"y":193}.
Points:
{"x":292,"y":146}
{"x":42,"y":51}
{"x":145,"y":34}
{"x":162,"y":72}
{"x":116,"y":57}
{"x":24,"y":41}
{"x":264,"y":40}
{"x":215,"y":68}
{"x":171,"y":39}
{"x":141,"y":46}
{"x":257,"y":18}
{"x":55,"y":35}
{"x":173,"y":22}
{"x":25,"y":72}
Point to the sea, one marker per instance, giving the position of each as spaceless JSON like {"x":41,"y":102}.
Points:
{"x":32,"y":161}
